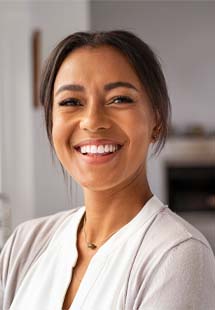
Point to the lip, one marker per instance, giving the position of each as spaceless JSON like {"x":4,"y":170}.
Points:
{"x":97,"y":142}
{"x":98,"y":159}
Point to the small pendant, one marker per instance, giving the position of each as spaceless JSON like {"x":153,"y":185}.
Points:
{"x":91,"y":246}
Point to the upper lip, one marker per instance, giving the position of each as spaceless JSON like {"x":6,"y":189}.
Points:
{"x":97,"y":142}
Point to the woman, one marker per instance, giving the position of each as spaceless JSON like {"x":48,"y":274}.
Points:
{"x":106,"y":102}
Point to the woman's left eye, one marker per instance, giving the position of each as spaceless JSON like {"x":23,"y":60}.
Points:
{"x":122,"y":99}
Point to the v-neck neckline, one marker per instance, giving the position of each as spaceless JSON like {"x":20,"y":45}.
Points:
{"x":149,"y":209}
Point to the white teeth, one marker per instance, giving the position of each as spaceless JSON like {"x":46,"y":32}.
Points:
{"x":100,"y":149}
{"x":106,"y":148}
{"x":93,"y":149}
{"x":87,"y":149}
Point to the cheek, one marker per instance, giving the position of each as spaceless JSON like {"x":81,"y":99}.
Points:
{"x":139,"y":134}
{"x":138,"y":126}
{"x":60,"y":136}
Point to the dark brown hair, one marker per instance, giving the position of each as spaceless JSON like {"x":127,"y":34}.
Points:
{"x":140,"y":56}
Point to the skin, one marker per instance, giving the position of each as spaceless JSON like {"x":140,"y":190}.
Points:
{"x":117,"y":190}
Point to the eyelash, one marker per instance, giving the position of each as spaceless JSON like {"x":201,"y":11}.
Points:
{"x":74,"y":101}
{"x":67,"y":102}
{"x":123,"y":99}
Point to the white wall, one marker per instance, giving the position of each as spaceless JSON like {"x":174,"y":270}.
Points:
{"x":16,"y":112}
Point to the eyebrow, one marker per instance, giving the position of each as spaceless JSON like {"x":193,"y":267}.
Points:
{"x":74,"y":87}
{"x":113,"y":85}
{"x":107,"y":87}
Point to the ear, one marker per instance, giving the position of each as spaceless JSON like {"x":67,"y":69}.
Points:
{"x":157,"y":127}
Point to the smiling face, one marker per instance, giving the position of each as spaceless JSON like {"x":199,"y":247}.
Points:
{"x":99,"y":103}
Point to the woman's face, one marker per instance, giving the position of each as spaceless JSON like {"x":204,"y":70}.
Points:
{"x":99,"y":103}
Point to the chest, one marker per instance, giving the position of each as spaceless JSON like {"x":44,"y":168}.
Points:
{"x":88,"y":282}
{"x":77,"y":276}
{"x":110,"y":291}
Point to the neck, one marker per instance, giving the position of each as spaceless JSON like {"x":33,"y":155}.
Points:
{"x":108,"y":211}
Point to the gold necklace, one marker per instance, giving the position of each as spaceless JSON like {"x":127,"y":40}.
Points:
{"x":91,"y":245}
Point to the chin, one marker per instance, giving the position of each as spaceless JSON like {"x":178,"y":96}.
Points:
{"x":97,"y":185}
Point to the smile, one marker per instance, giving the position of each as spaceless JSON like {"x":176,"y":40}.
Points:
{"x":98,"y":154}
{"x":98,"y":150}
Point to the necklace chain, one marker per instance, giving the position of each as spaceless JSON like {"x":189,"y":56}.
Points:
{"x":91,"y":245}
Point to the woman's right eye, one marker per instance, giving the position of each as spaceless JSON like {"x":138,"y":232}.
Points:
{"x":70,"y":102}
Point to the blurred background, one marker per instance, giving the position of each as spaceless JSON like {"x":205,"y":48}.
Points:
{"x":182,"y":35}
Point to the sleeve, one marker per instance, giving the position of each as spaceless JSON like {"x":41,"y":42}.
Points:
{"x":24,"y":246}
{"x":5,"y":258}
{"x":1,"y":296}
{"x":184,"y":279}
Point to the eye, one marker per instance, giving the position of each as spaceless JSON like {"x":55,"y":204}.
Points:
{"x":70,"y":102}
{"x":122,"y":99}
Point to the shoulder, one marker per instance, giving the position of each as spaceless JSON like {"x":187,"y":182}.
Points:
{"x":175,"y":266}
{"x":170,"y":230}
{"x":169,"y":235}
{"x":43,"y":225}
{"x":34,"y":232}
{"x":27,"y":242}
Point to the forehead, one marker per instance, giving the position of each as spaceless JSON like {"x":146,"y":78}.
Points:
{"x":91,"y":64}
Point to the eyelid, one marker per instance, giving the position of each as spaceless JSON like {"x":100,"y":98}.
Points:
{"x":67,"y":100}
{"x":125,"y":98}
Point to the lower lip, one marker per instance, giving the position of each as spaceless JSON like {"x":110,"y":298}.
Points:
{"x":98,"y":159}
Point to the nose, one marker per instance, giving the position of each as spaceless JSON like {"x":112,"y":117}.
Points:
{"x":94,"y":118}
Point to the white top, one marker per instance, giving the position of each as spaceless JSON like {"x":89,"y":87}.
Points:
{"x":156,"y":262}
